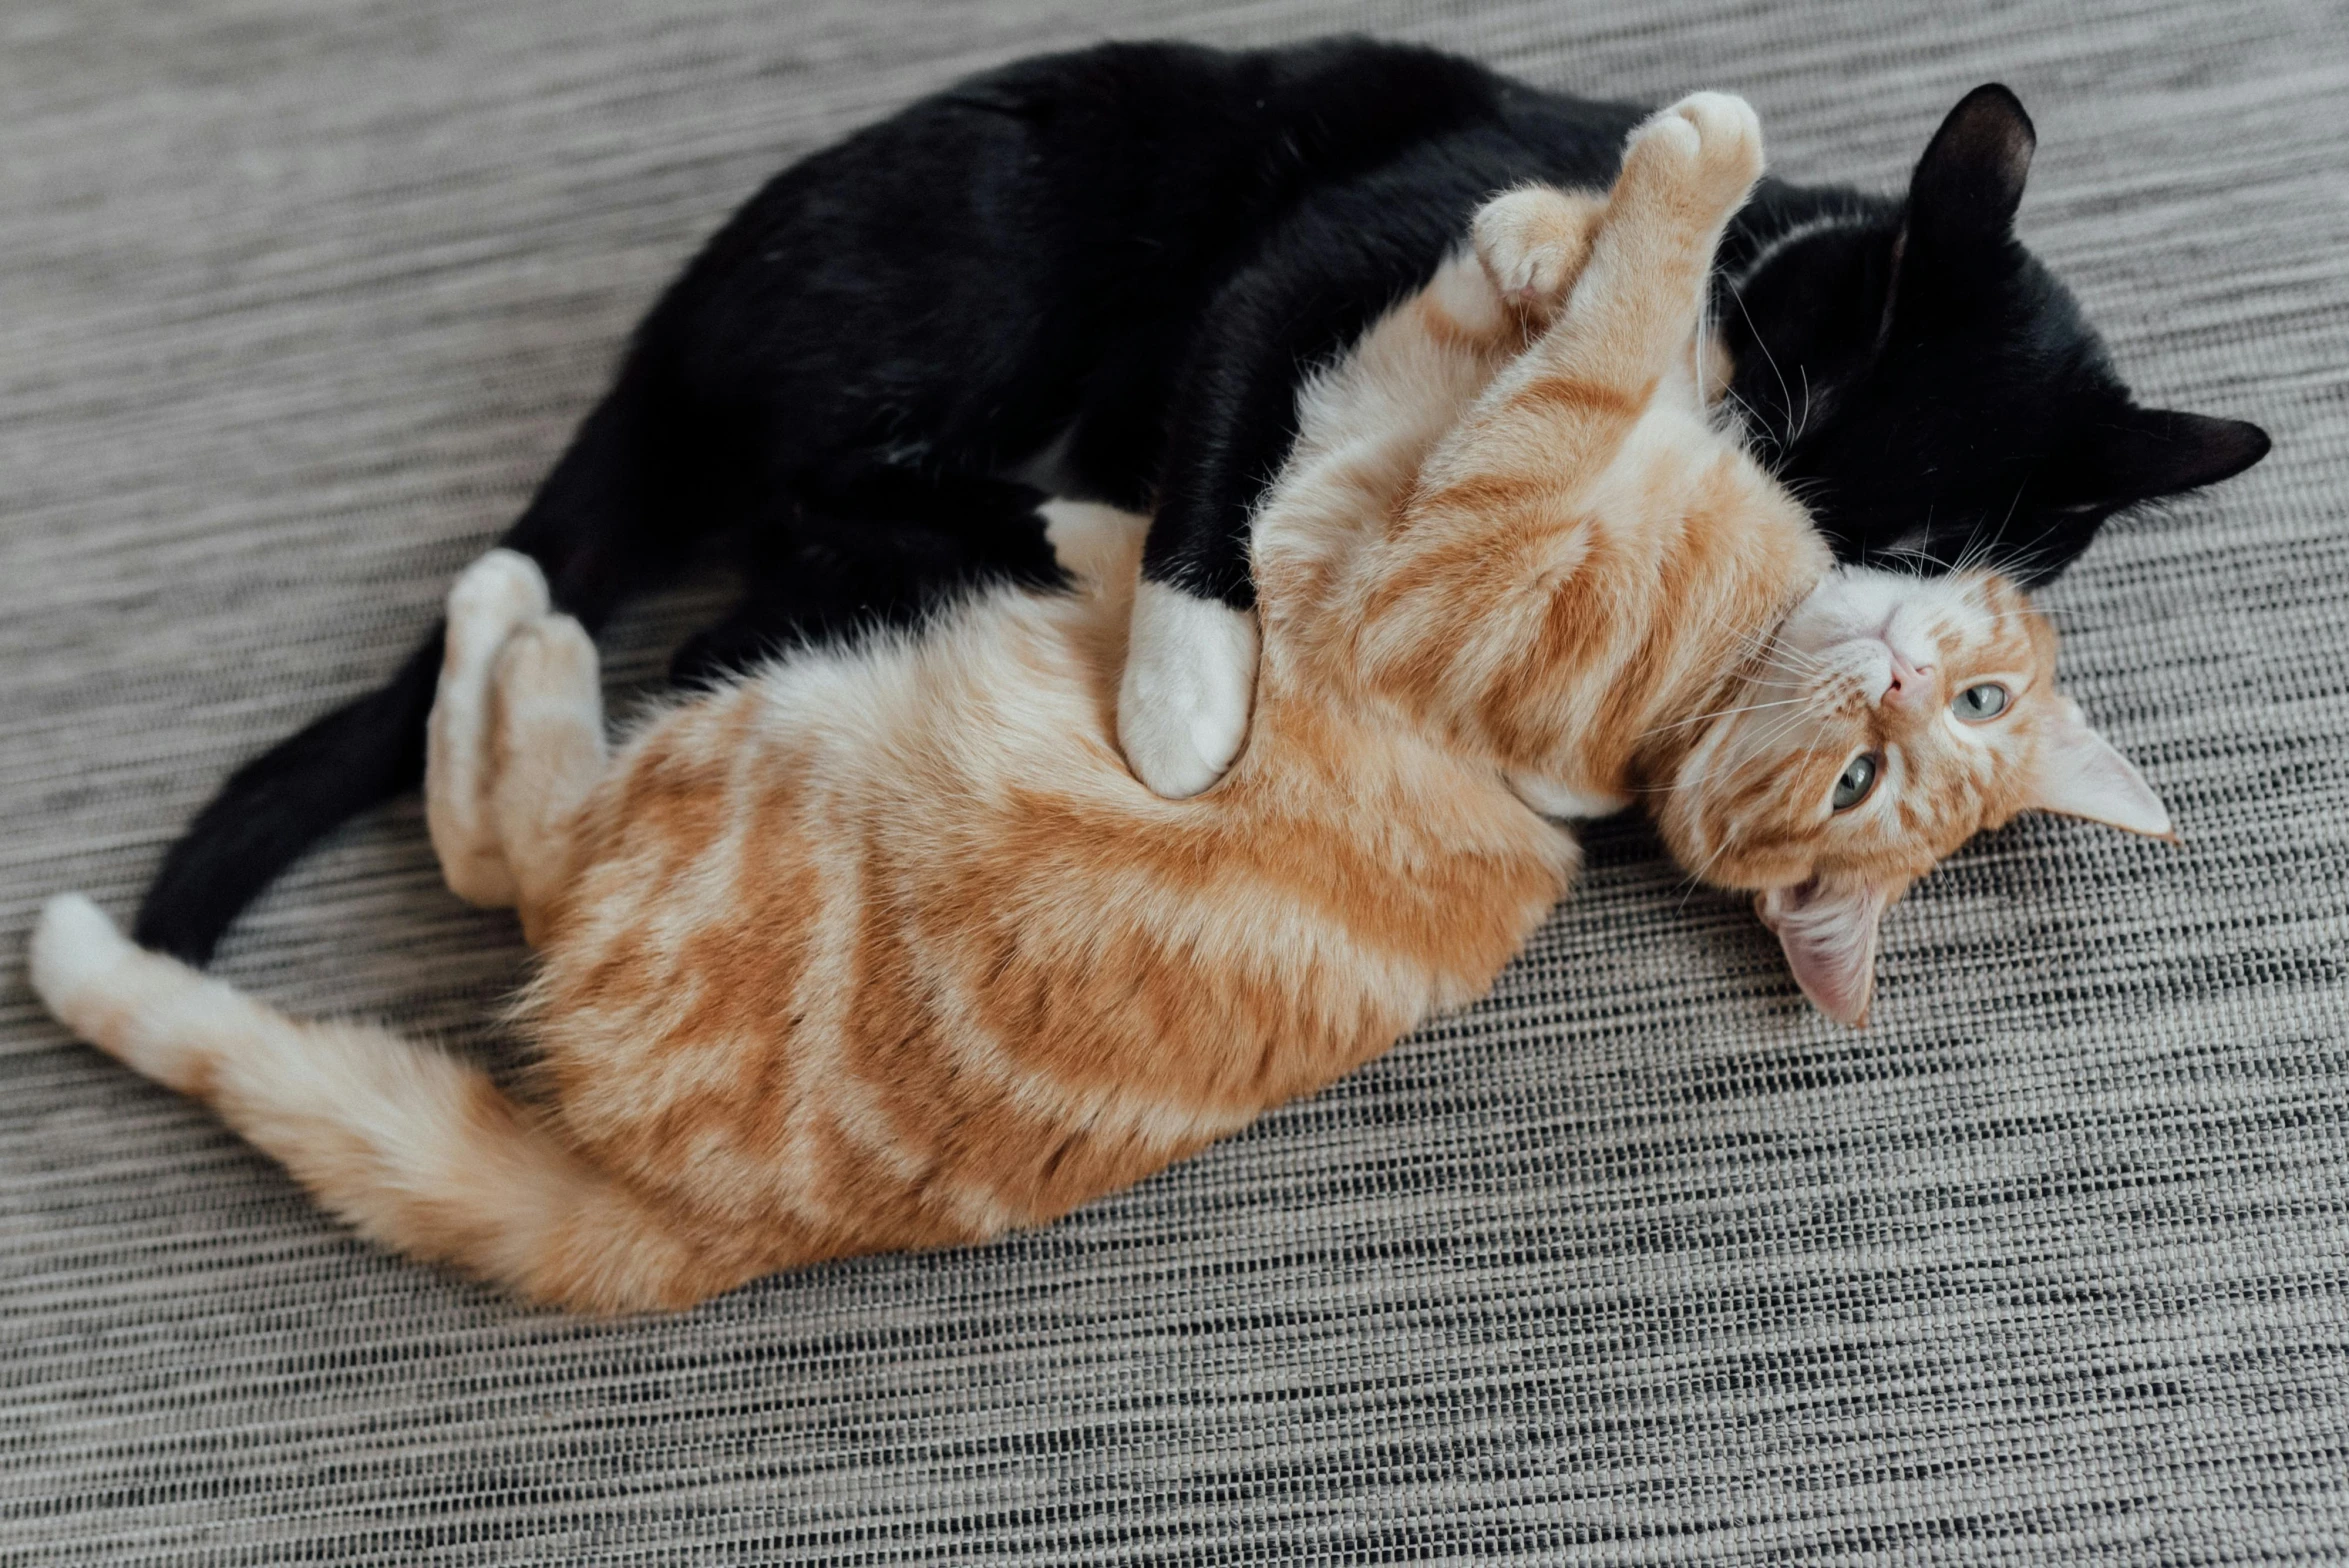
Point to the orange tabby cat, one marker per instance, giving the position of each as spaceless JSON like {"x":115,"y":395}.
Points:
{"x":886,"y":948}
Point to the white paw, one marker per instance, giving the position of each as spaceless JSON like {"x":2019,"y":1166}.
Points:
{"x":74,"y":948}
{"x":491,"y":597}
{"x":1098,"y":543}
{"x":1190,"y":681}
{"x":1722,"y":120}
{"x":550,"y":657}
{"x":1532,"y":242}
{"x":1668,"y":137}
{"x":1719,"y":133}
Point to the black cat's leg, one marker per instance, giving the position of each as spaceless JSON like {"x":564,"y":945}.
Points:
{"x":1356,"y":248}
{"x":943,"y":282}
{"x":1190,"y":672}
{"x":882,"y":549}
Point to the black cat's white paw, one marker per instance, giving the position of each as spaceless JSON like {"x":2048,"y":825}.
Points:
{"x":1189,"y":683}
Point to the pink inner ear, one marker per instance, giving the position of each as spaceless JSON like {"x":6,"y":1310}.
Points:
{"x":1829,"y":933}
{"x":2080,"y":774}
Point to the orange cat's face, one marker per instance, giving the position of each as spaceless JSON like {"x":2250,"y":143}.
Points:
{"x":1891,"y":719}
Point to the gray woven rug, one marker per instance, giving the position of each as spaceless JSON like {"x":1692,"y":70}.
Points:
{"x":1639,"y":1262}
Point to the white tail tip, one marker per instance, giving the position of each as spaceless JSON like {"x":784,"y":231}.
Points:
{"x":74,"y":945}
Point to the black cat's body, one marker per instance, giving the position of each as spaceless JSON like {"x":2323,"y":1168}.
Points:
{"x":1109,"y":271}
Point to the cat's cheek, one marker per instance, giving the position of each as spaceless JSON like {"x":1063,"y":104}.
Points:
{"x":1189,"y":683}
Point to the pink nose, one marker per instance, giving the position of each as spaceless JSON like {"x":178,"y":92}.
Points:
{"x":1909,"y":681}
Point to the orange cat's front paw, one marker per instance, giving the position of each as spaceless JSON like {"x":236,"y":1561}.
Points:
{"x":1532,"y":243}
{"x":1709,"y":144}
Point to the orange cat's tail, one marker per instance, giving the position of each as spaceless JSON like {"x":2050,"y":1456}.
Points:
{"x":418,"y":1150}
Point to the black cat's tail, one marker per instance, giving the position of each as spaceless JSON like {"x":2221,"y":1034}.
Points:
{"x":587,"y":528}
{"x":283,"y":801}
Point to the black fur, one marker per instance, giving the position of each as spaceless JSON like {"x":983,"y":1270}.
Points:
{"x":1124,"y":260}
{"x":1929,"y":388}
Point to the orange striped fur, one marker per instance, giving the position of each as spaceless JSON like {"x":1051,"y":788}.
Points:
{"x":886,"y":948}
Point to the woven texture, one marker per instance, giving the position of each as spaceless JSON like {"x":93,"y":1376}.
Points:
{"x":1638,"y":1262}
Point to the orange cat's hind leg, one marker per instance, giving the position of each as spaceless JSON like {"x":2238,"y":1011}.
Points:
{"x":416,"y":1148}
{"x":516,"y":741}
{"x":496,"y":594}
{"x":550,"y":749}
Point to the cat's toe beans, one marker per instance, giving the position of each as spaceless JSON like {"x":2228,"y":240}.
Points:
{"x":1540,"y":274}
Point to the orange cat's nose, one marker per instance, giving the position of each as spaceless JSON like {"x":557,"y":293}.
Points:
{"x":1910,"y":684}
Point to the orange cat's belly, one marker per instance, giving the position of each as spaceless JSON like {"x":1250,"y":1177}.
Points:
{"x":931,"y":964}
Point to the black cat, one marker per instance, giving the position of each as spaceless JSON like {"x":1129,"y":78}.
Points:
{"x":1107,"y":272}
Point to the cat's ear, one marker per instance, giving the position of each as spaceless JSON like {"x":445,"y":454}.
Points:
{"x":2141,"y":453}
{"x":2078,"y":773}
{"x":1966,"y":188}
{"x":1828,"y":929}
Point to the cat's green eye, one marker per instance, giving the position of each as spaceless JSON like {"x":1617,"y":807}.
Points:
{"x":1857,"y":781}
{"x":1976,"y":703}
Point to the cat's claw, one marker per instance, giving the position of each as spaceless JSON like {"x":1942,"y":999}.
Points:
{"x":1190,"y":680}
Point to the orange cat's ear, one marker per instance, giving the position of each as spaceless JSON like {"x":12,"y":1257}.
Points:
{"x":1828,"y":929}
{"x":2079,"y":774}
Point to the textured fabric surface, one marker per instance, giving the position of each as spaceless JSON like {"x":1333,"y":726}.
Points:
{"x":1638,"y":1262}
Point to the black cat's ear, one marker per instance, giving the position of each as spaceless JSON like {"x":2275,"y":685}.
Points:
{"x":2148,"y":452}
{"x":1966,"y":188}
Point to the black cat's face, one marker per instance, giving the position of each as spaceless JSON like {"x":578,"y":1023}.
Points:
{"x":1930,"y":390}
